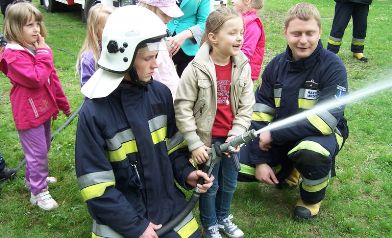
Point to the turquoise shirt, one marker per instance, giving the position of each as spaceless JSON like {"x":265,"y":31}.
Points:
{"x":194,"y":19}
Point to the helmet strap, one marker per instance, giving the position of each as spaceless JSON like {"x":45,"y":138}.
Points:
{"x":135,"y":78}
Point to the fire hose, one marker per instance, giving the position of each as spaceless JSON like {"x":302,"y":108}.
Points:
{"x":215,"y":155}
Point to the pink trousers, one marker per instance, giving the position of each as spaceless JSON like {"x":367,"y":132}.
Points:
{"x":36,"y":143}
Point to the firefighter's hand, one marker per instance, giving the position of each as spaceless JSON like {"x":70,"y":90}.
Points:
{"x":150,"y":231}
{"x":265,"y":174}
{"x":265,"y":141}
{"x":194,"y":176}
{"x":200,"y":155}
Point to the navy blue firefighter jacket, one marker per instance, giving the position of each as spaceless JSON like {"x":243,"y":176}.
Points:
{"x":128,"y":155}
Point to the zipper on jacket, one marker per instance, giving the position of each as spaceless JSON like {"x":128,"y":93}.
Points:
{"x":33,"y":107}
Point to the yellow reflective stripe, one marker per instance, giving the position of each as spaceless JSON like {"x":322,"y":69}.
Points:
{"x":190,"y":228}
{"x":358,"y":42}
{"x":183,"y":144}
{"x":159,"y":135}
{"x":95,"y":236}
{"x":121,"y":153}
{"x":261,"y":116}
{"x":277,"y":102}
{"x":315,"y":188}
{"x":246,"y":169}
{"x":95,"y":190}
{"x":320,"y":124}
{"x":339,"y":140}
{"x":306,"y":103}
{"x":310,"y":145}
{"x":333,"y":42}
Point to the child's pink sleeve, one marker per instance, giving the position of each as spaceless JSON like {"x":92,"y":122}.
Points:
{"x":252,"y":34}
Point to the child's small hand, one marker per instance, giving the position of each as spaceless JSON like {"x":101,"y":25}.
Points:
{"x":68,"y":113}
{"x":40,"y":43}
{"x":233,"y":150}
{"x":200,"y":155}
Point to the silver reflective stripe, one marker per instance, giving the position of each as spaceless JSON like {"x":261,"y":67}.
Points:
{"x":174,"y":141}
{"x":104,"y":231}
{"x":329,"y":119}
{"x":358,"y":40}
{"x":260,"y":107}
{"x":310,"y":182}
{"x":95,"y":178}
{"x":120,"y":138}
{"x":157,"y":123}
{"x":335,"y":39}
{"x":278,"y":92}
{"x":187,"y":219}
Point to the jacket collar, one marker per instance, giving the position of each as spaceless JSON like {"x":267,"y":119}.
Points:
{"x":303,"y":63}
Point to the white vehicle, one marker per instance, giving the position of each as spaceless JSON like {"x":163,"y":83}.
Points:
{"x":54,"y":5}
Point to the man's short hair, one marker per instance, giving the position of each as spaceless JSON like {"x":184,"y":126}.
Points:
{"x":304,"y":12}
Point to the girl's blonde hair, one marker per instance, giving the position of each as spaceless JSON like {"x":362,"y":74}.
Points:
{"x":304,"y":12}
{"x":257,"y":4}
{"x":16,"y":17}
{"x":215,"y":21}
{"x":92,"y":42}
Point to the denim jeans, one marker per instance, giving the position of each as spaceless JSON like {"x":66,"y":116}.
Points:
{"x":214,"y":205}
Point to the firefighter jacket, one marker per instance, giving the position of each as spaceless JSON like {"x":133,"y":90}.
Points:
{"x":128,"y":155}
{"x":289,"y":87}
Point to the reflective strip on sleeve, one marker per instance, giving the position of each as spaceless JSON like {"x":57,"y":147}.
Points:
{"x":358,"y":42}
{"x":260,"y":107}
{"x":315,"y":188}
{"x":93,"y":185}
{"x":324,"y":122}
{"x":260,"y":116}
{"x":334,"y":41}
{"x":175,"y":142}
{"x":158,"y":128}
{"x":120,"y":145}
{"x":187,"y":227}
{"x":100,"y":230}
{"x":310,"y":145}
{"x":246,"y":169}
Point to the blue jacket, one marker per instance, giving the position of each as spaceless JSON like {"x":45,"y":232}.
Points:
{"x":194,"y":19}
{"x":289,"y":87}
{"x":128,"y":155}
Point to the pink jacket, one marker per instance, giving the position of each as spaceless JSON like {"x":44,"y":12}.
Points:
{"x":254,"y":42}
{"x":36,"y":93}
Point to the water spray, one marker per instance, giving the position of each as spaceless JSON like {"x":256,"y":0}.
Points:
{"x":217,"y":149}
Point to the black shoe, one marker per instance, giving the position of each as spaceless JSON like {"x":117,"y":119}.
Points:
{"x":7,"y":174}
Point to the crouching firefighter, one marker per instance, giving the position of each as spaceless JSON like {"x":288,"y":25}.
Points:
{"x":129,"y":153}
{"x":301,"y":153}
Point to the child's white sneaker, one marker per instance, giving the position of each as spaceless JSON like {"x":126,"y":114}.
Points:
{"x":44,"y":201}
{"x":51,"y":179}
{"x":229,"y":228}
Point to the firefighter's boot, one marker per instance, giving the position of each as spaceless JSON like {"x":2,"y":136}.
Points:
{"x":306,"y":211}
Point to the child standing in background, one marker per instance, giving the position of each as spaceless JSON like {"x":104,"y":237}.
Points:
{"x":86,"y":63}
{"x":254,"y":36}
{"x":213,"y":104}
{"x":36,"y":95}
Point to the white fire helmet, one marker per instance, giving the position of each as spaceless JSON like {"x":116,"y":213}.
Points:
{"x":124,"y":30}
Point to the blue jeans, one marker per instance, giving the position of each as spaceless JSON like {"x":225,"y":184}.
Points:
{"x":2,"y":163}
{"x":214,"y":205}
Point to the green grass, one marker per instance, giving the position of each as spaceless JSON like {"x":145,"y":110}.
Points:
{"x":359,"y":198}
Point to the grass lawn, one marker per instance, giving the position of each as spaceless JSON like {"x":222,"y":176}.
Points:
{"x":359,"y":198}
